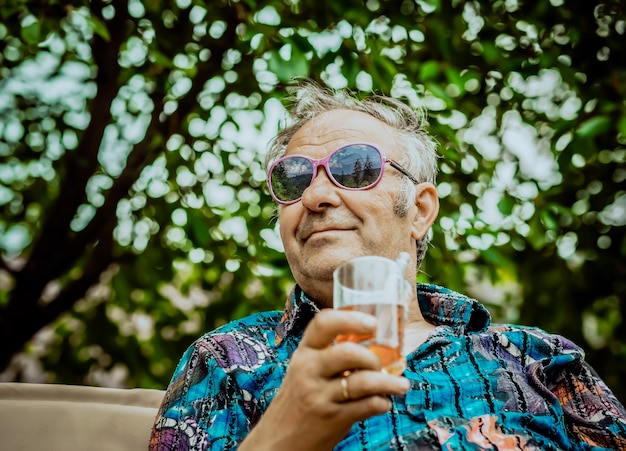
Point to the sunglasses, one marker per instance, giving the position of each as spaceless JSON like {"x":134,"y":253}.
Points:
{"x":352,"y":167}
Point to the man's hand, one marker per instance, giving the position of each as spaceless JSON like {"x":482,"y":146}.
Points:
{"x":314,"y":409}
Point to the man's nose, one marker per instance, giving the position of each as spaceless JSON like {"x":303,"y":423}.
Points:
{"x":321,"y":193}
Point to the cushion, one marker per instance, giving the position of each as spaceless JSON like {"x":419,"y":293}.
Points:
{"x":72,"y":417}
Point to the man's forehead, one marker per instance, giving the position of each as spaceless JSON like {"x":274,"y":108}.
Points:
{"x":336,"y":128}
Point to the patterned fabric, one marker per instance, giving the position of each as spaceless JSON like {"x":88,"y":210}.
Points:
{"x":474,"y":386}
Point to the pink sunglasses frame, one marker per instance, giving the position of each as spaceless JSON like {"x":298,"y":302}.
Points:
{"x":316,"y":163}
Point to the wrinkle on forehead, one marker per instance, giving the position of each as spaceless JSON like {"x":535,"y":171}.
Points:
{"x":335,"y":128}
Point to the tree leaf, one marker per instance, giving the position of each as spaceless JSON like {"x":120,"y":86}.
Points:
{"x":594,"y":126}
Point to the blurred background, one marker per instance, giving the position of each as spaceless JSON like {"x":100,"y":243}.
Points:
{"x":134,"y":214}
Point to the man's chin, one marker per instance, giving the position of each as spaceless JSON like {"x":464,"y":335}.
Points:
{"x":313,"y":271}
{"x":321,"y":265}
{"x":333,"y":255}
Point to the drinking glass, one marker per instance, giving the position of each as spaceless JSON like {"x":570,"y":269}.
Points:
{"x":376,"y":285}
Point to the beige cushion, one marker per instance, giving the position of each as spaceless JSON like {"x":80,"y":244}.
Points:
{"x":70,"y":417}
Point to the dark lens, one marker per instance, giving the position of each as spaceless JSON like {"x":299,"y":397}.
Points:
{"x":356,"y":166}
{"x":290,"y":177}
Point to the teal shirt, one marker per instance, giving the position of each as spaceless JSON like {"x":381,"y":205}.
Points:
{"x":474,"y":386}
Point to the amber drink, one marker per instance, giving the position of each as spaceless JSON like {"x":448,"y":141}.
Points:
{"x":375,"y":285}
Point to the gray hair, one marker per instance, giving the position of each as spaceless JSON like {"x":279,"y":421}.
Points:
{"x":309,"y":100}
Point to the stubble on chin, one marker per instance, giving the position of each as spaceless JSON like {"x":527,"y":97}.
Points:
{"x":314,"y":274}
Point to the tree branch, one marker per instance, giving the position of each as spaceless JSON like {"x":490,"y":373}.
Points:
{"x":21,"y":321}
{"x":47,"y":258}
{"x":58,"y":249}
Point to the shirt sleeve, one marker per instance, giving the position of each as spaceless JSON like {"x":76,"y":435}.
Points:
{"x":203,"y":408}
{"x":593,"y":415}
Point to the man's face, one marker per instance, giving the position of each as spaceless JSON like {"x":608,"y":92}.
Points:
{"x":331,"y":225}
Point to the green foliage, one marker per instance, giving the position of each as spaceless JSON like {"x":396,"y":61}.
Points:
{"x":134,"y":213}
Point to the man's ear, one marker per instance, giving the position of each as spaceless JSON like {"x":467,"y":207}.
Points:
{"x":427,"y":203}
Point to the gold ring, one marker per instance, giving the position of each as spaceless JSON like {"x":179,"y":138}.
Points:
{"x":344,"y":388}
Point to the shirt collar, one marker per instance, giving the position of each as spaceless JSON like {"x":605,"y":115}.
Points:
{"x":439,"y":306}
{"x":442,"y":306}
{"x":299,"y":310}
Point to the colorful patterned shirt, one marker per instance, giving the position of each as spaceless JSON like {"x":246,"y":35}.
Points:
{"x":474,"y":386}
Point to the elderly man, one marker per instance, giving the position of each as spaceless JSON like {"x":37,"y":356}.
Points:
{"x":277,"y":381}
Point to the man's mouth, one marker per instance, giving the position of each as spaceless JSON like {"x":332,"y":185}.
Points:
{"x":322,"y":230}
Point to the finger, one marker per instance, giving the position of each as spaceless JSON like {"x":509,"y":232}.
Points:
{"x":328,"y":323}
{"x":347,"y":356}
{"x":364,"y":408}
{"x":364,"y":384}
